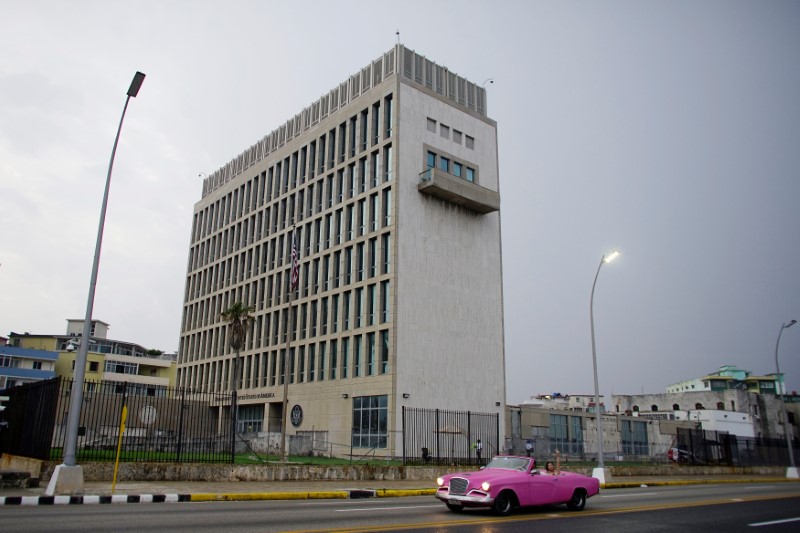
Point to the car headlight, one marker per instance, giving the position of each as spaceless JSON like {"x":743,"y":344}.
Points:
{"x":486,"y":486}
{"x":440,"y":481}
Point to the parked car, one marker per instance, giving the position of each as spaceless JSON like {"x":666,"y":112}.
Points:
{"x":510,"y":481}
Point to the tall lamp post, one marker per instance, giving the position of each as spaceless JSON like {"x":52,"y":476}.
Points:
{"x":599,"y":472}
{"x":792,"y":470}
{"x":68,"y":477}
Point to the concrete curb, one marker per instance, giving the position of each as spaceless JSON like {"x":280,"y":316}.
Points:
{"x":631,"y":484}
{"x":312,"y":495}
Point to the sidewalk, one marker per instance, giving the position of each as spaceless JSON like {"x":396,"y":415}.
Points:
{"x":186,"y":491}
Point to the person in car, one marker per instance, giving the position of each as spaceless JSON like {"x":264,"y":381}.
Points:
{"x":553,"y":469}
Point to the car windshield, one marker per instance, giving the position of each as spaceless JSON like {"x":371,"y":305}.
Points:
{"x":509,"y":463}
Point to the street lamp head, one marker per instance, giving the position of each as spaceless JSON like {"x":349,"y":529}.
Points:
{"x":790,"y":323}
{"x":610,"y":257}
{"x":136,"y":84}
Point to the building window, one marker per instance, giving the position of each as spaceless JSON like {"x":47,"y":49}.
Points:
{"x":444,"y":131}
{"x":371,"y":368}
{"x":456,"y":169}
{"x":356,"y":357}
{"x":444,"y":164}
{"x":456,"y":136}
{"x":345,"y":356}
{"x":251,"y":418}
{"x":431,"y":125}
{"x":470,"y":142}
{"x":37,"y":365}
{"x":634,"y":437}
{"x":384,"y":351}
{"x":431,"y":160}
{"x":334,"y":360}
{"x":93,"y":366}
{"x":311,"y":355}
{"x":470,"y":174}
{"x":370,"y":421}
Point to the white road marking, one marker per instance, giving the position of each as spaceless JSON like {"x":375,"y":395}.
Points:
{"x":385,"y":508}
{"x":772,"y":523}
{"x":633,"y":495}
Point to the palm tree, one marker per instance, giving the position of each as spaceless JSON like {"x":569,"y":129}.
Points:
{"x":238,"y":318}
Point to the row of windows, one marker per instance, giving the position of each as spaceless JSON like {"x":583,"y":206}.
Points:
{"x":6,"y":361}
{"x":342,"y":268}
{"x":348,"y":357}
{"x":310,"y":201}
{"x":444,"y":131}
{"x":336,"y":147}
{"x":451,"y":166}
{"x":361,"y":307}
{"x":358,"y":219}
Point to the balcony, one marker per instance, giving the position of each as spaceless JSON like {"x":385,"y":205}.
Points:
{"x":438,"y":183}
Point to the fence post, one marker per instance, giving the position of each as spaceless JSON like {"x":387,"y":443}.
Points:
{"x":438,"y":453}
{"x":469,"y":436}
{"x":232,"y":413}
{"x":403,"y":426}
{"x":182,"y":406}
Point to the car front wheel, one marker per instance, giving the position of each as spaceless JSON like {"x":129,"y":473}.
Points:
{"x":578,"y":501}
{"x":503,"y":503}
{"x":455,"y":507}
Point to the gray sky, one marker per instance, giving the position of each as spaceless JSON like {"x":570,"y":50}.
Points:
{"x":668,"y":130}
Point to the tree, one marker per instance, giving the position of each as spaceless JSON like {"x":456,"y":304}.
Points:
{"x":238,"y":318}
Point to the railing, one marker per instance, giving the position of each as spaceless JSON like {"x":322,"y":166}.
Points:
{"x":164,"y":424}
{"x":435,"y":436}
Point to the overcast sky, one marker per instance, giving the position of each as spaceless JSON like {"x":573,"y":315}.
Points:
{"x":669,"y":130}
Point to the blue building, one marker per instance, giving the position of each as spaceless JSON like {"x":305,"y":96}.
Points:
{"x":25,"y":365}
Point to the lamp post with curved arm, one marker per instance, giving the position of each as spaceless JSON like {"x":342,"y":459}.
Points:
{"x":599,"y":472}
{"x":68,"y":477}
{"x":792,"y":470}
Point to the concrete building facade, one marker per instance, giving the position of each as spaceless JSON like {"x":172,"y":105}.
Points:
{"x":388,"y":186}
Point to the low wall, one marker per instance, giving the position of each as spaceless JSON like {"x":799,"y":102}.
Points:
{"x":284,"y":472}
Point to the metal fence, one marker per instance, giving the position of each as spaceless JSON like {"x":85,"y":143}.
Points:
{"x":164,"y":424}
{"x":26,"y":425}
{"x":435,"y":436}
{"x":697,"y":446}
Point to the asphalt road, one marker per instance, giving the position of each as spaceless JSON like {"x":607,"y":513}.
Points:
{"x":729,"y":507}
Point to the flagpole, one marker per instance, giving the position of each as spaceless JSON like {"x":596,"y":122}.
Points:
{"x":293,"y":279}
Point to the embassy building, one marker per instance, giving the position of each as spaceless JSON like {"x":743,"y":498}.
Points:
{"x":389,"y":186}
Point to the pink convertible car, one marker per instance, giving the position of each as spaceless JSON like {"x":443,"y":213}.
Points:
{"x":510,"y":481}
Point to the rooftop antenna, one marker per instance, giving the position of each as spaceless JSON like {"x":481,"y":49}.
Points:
{"x":398,"y":35}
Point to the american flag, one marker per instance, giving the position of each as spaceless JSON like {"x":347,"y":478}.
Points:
{"x":295,"y":268}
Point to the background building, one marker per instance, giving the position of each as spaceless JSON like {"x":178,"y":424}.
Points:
{"x":732,"y":377}
{"x":108,"y":361}
{"x":20,"y":365}
{"x":389,"y":184}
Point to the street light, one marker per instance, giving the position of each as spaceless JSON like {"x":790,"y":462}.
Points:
{"x":600,"y":465}
{"x":73,"y":482}
{"x":792,"y":471}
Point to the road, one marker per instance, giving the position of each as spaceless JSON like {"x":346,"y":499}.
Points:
{"x":723,"y":507}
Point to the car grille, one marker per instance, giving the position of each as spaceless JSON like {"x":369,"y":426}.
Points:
{"x":458,"y":485}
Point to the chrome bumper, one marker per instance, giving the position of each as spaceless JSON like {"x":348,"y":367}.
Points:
{"x":482,"y":500}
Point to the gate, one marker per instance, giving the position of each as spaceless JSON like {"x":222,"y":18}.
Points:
{"x":435,"y":436}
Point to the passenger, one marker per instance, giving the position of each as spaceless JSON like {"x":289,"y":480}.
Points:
{"x":554,"y":469}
